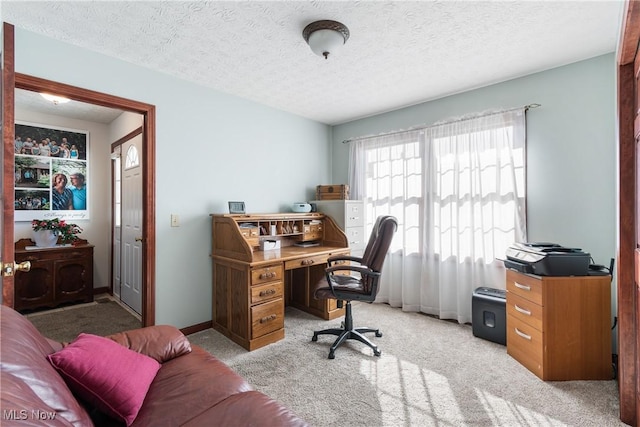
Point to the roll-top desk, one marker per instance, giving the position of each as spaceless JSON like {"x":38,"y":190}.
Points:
{"x":252,"y":286}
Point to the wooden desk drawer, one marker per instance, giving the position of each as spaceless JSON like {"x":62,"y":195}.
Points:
{"x":266,"y":292}
{"x":249,"y":231}
{"x":527,"y":287}
{"x":267,"y":317}
{"x":525,"y":344}
{"x":525,"y":310}
{"x":271,"y":273}
{"x":305,"y":262}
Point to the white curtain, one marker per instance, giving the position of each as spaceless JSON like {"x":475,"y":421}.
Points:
{"x":458,"y":192}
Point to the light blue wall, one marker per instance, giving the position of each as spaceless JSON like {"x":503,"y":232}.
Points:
{"x":571,"y":148}
{"x":210,"y":148}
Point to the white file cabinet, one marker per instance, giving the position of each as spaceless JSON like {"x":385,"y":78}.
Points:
{"x":349,"y":216}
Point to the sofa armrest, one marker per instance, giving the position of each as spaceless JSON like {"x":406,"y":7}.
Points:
{"x":161,"y":342}
{"x":57,"y":346}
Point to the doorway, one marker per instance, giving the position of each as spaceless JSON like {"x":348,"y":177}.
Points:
{"x":147,"y":175}
{"x":127,"y":222}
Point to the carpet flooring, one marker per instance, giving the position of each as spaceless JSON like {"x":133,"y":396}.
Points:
{"x":431,"y":373}
{"x":103,"y":317}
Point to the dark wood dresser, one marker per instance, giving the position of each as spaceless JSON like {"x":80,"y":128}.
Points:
{"x":62,"y":274}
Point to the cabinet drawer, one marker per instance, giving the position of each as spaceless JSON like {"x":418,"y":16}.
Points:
{"x":524,"y":343}
{"x":355,"y":237}
{"x":354,"y":214}
{"x":267,"y":317}
{"x":248,"y":232}
{"x":525,"y":310}
{"x":525,"y":286}
{"x":312,"y":232}
{"x":305,"y":262}
{"x":266,"y":292}
{"x":271,"y":273}
{"x":55,"y":254}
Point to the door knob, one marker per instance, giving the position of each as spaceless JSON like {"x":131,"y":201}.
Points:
{"x":138,"y":239}
{"x":10,"y":268}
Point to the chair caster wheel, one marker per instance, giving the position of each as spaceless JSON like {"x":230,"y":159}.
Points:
{"x":378,"y":334}
{"x":314,"y":338}
{"x":331,"y":355}
{"x":377,"y":353}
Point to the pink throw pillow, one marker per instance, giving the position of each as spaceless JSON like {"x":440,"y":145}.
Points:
{"x":107,"y":375}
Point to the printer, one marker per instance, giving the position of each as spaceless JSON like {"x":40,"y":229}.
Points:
{"x":547,"y":259}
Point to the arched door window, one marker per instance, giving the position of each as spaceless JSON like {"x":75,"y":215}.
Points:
{"x":132,"y":160}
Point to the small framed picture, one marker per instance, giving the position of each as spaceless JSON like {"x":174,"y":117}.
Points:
{"x":236,"y":207}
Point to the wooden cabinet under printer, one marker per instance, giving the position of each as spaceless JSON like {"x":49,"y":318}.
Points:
{"x":560,"y":327}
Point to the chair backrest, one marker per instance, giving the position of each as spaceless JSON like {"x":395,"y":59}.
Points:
{"x":375,"y":253}
{"x":372,"y":239}
{"x":387,"y":226}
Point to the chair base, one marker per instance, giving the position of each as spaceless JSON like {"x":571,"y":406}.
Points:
{"x":348,"y":332}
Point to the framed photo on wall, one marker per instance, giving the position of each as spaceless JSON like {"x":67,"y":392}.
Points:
{"x":51,"y":169}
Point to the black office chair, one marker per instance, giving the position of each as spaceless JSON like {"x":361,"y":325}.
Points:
{"x":362,"y":286}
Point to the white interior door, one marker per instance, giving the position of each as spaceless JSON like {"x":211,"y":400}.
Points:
{"x":131,"y":226}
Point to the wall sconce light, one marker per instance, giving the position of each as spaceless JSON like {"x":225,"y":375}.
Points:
{"x":55,"y":98}
{"x":325,"y":37}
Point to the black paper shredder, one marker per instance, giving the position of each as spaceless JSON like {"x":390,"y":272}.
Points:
{"x":488,"y":314}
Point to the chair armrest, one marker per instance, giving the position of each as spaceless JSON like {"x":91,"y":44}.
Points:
{"x":335,"y":258}
{"x":362,"y":269}
{"x":366,"y":273}
{"x":161,"y":342}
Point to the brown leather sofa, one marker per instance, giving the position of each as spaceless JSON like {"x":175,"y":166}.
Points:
{"x":192,"y":387}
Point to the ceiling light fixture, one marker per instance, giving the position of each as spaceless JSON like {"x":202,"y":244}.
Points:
{"x":55,"y":98}
{"x":325,"y":37}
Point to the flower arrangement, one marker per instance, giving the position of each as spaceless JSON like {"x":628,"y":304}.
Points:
{"x":67,"y":232}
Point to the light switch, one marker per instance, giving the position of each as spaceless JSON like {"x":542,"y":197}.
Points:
{"x":175,"y":220}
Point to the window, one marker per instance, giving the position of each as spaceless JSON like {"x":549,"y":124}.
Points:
{"x":132,"y":159}
{"x":458,"y":192}
{"x":394,"y":177}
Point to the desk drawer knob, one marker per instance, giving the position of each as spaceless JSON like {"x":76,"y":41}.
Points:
{"x":522,"y":334}
{"x":268,"y":275}
{"x":268,"y":318}
{"x":267,"y":292}
{"x":307,"y":262}
{"x":523,"y":287}
{"x":521,"y":310}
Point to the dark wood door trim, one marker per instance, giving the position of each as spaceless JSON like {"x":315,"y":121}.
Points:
{"x":148,"y":111}
{"x":8,"y":136}
{"x":628,"y":291}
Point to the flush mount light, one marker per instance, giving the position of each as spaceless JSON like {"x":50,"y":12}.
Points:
{"x":55,"y":98}
{"x":325,"y":37}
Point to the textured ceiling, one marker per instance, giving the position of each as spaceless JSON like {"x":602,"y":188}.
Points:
{"x":400,"y":53}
